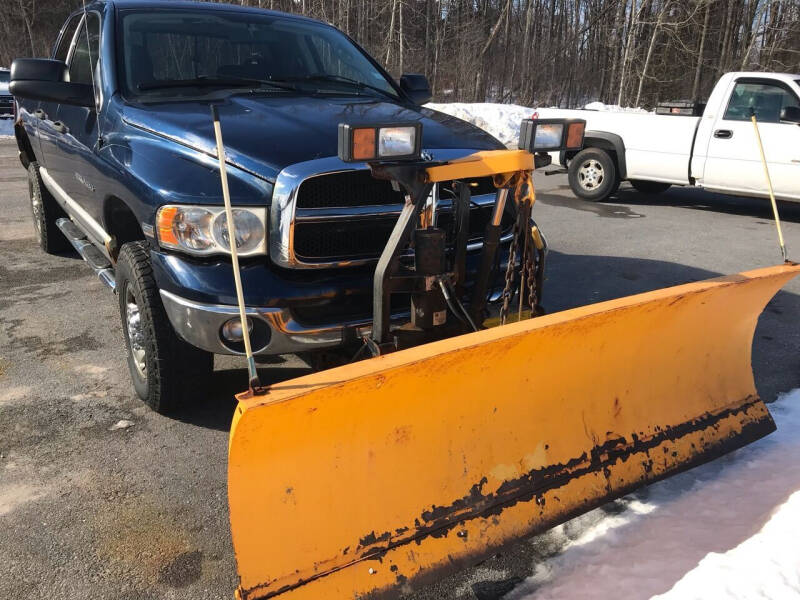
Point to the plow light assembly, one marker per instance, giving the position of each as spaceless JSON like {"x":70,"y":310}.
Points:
{"x":387,"y":142}
{"x":551,"y":135}
{"x":203,"y":230}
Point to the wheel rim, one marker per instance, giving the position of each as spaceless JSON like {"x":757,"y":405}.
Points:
{"x":36,"y":206}
{"x":591,"y":175}
{"x":133,"y":322}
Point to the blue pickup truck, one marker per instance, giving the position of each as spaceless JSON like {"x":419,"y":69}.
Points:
{"x":116,"y":134}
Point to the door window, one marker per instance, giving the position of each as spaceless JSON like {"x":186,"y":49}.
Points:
{"x":765,"y":99}
{"x":66,"y":39}
{"x":86,"y":54}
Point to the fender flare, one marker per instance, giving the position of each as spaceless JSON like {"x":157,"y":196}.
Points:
{"x":608,"y":141}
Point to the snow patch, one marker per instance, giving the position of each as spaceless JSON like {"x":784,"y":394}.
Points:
{"x":728,"y":529}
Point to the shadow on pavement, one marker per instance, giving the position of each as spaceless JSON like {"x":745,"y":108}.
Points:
{"x":698,"y":199}
{"x":216,"y":411}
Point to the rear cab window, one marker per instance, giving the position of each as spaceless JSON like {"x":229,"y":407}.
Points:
{"x":766,"y":100}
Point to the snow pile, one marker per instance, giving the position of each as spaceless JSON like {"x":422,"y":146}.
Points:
{"x":729,"y":529}
{"x":614,"y":108}
{"x":500,"y":120}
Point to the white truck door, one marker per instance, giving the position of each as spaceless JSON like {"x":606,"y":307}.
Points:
{"x":733,"y":162}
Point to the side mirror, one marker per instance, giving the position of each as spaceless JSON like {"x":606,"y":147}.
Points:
{"x":416,"y":87}
{"x":790,"y":114}
{"x":45,"y":79}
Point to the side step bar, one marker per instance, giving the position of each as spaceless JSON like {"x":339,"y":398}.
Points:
{"x":88,"y":251}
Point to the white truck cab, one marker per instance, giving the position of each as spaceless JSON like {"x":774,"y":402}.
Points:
{"x":717,"y":151}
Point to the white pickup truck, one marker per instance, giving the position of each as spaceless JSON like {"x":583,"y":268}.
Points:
{"x":717,"y":151}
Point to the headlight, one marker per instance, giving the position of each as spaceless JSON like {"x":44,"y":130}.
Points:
{"x":203,"y":230}
{"x":396,"y":141}
{"x":372,"y":143}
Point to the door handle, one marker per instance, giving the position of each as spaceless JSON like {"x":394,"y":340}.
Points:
{"x":723,"y":134}
{"x":59,"y":127}
{"x":40,"y":114}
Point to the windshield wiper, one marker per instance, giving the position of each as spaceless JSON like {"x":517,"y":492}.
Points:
{"x":341,"y":79}
{"x":213,"y":82}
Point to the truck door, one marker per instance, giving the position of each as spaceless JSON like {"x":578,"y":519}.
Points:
{"x":77,"y":171}
{"x":733,"y":163}
{"x":46,"y":113}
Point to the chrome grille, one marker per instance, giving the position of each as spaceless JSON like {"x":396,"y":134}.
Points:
{"x":326,"y":213}
{"x":322,"y":233}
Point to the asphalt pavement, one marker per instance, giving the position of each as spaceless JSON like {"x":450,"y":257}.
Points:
{"x":88,"y":510}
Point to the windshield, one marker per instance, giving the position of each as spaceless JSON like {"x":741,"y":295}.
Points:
{"x":4,"y":76}
{"x":185,"y":53}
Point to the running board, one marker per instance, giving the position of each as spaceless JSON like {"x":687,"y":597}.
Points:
{"x":88,"y":252}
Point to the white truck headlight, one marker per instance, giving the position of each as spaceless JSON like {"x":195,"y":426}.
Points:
{"x":203,"y":230}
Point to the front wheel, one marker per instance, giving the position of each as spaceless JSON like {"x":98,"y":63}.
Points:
{"x":649,"y":187}
{"x":593,"y":175}
{"x":166,"y":371}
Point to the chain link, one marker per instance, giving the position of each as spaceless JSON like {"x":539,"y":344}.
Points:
{"x":522,"y":237}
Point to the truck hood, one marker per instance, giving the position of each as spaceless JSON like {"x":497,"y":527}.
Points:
{"x":263,"y":135}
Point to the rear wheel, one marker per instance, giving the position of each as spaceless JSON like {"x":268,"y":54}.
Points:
{"x":593,"y":174}
{"x":649,"y":187}
{"x":45,"y":211}
{"x":166,"y":371}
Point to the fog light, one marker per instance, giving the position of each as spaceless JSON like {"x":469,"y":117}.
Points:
{"x":232,"y":329}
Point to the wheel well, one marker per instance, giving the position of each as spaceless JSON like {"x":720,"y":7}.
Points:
{"x":26,"y":155}
{"x":612,"y":149}
{"x":120,"y":222}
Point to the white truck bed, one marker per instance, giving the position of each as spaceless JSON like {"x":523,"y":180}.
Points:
{"x":657,"y":147}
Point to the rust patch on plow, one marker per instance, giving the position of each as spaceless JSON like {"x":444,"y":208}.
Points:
{"x":439,"y":521}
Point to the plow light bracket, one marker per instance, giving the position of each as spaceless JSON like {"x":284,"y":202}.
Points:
{"x":551,"y":135}
{"x":380,"y":142}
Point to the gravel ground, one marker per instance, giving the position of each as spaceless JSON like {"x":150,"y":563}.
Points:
{"x":87,"y":511}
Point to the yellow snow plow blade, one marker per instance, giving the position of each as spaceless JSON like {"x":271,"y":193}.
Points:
{"x":367,"y":480}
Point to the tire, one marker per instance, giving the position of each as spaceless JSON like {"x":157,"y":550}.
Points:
{"x":46,"y":212}
{"x":593,"y":175}
{"x":649,"y":187}
{"x":166,"y":371}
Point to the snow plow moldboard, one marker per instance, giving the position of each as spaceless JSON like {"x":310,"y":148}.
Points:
{"x":367,"y":480}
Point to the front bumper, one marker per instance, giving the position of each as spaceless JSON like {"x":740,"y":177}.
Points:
{"x":294,"y":311}
{"x":200,"y":324}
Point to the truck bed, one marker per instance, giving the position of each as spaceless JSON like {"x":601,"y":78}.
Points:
{"x":657,"y":147}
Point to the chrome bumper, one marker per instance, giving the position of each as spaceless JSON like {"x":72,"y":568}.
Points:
{"x":199,"y":324}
